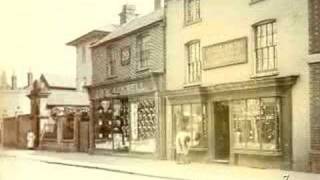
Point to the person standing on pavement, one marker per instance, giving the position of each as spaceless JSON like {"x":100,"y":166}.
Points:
{"x":30,"y":139}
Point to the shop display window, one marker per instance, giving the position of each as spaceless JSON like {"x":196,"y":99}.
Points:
{"x":146,"y":119}
{"x":111,"y":125}
{"x":193,"y":118}
{"x":256,"y":123}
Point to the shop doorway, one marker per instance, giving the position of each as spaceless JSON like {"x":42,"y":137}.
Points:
{"x":222,"y":135}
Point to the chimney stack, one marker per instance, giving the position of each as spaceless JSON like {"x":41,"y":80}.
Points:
{"x":157,"y":4}
{"x":14,"y":82}
{"x":30,"y":78}
{"x":128,"y":13}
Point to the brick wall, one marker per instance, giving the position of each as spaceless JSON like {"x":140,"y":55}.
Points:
{"x":314,"y":26}
{"x":130,"y":71}
{"x":315,"y":115}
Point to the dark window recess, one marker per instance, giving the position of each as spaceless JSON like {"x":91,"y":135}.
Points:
{"x":125,"y":56}
{"x":68,"y":127}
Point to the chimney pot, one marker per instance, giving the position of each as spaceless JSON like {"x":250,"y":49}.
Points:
{"x":14,"y":82}
{"x":157,"y":4}
{"x":128,"y":13}
{"x":30,"y":78}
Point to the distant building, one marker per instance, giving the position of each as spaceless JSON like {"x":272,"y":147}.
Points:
{"x":14,"y":103}
{"x":57,"y":112}
{"x":13,"y":99}
{"x":83,"y":60}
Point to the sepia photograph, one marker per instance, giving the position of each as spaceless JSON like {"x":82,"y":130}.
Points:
{"x":160,"y":89}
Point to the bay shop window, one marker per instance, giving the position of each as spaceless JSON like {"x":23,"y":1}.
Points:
{"x":193,"y":118}
{"x":255,"y":124}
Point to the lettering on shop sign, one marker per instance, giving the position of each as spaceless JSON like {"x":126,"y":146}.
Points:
{"x":138,"y":87}
{"x":225,"y":53}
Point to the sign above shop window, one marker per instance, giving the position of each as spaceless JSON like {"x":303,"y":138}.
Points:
{"x":143,"y":86}
{"x":225,"y":53}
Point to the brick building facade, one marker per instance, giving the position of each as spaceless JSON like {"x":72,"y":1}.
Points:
{"x":314,"y":63}
{"x":127,"y":77}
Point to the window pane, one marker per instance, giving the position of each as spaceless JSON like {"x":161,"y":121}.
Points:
{"x":265,"y":58}
{"x":270,"y":113}
{"x":238,"y":116}
{"x":197,"y":128}
{"x":194,"y":64}
{"x":271,"y":58}
{"x":253,"y":113}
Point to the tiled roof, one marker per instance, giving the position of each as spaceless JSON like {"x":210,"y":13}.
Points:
{"x":133,"y":25}
{"x":54,"y":80}
{"x":68,"y":98}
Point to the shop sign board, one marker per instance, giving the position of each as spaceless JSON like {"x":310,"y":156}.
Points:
{"x":225,"y":53}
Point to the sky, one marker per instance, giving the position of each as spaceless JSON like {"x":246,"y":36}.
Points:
{"x":33,"y":33}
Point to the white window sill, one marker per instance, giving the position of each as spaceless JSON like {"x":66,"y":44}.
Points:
{"x":192,"y":22}
{"x":187,"y":85}
{"x":265,"y":74}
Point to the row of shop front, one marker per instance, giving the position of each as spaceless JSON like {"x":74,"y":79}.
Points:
{"x":245,"y":123}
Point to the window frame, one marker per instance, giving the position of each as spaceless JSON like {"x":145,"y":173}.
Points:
{"x":193,"y":75}
{"x":143,"y":63}
{"x":263,"y":37}
{"x":204,"y":121}
{"x":125,"y":61}
{"x":192,"y":14}
{"x":111,"y":60}
{"x":278,"y":131}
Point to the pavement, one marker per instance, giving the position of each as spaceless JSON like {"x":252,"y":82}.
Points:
{"x":156,"y":169}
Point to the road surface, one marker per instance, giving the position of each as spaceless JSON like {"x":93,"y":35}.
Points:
{"x":12,"y":168}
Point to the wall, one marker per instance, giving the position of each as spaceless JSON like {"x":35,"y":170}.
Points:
{"x":130,"y":71}
{"x":315,"y":113}
{"x":84,"y":68}
{"x":15,"y":131}
{"x":223,"y":20}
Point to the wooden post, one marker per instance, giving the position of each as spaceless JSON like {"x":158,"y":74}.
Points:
{"x":91,"y":128}
{"x":76,"y":133}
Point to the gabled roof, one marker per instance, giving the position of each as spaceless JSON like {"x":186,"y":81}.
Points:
{"x":133,"y":25}
{"x":57,"y":81}
{"x":96,"y":33}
